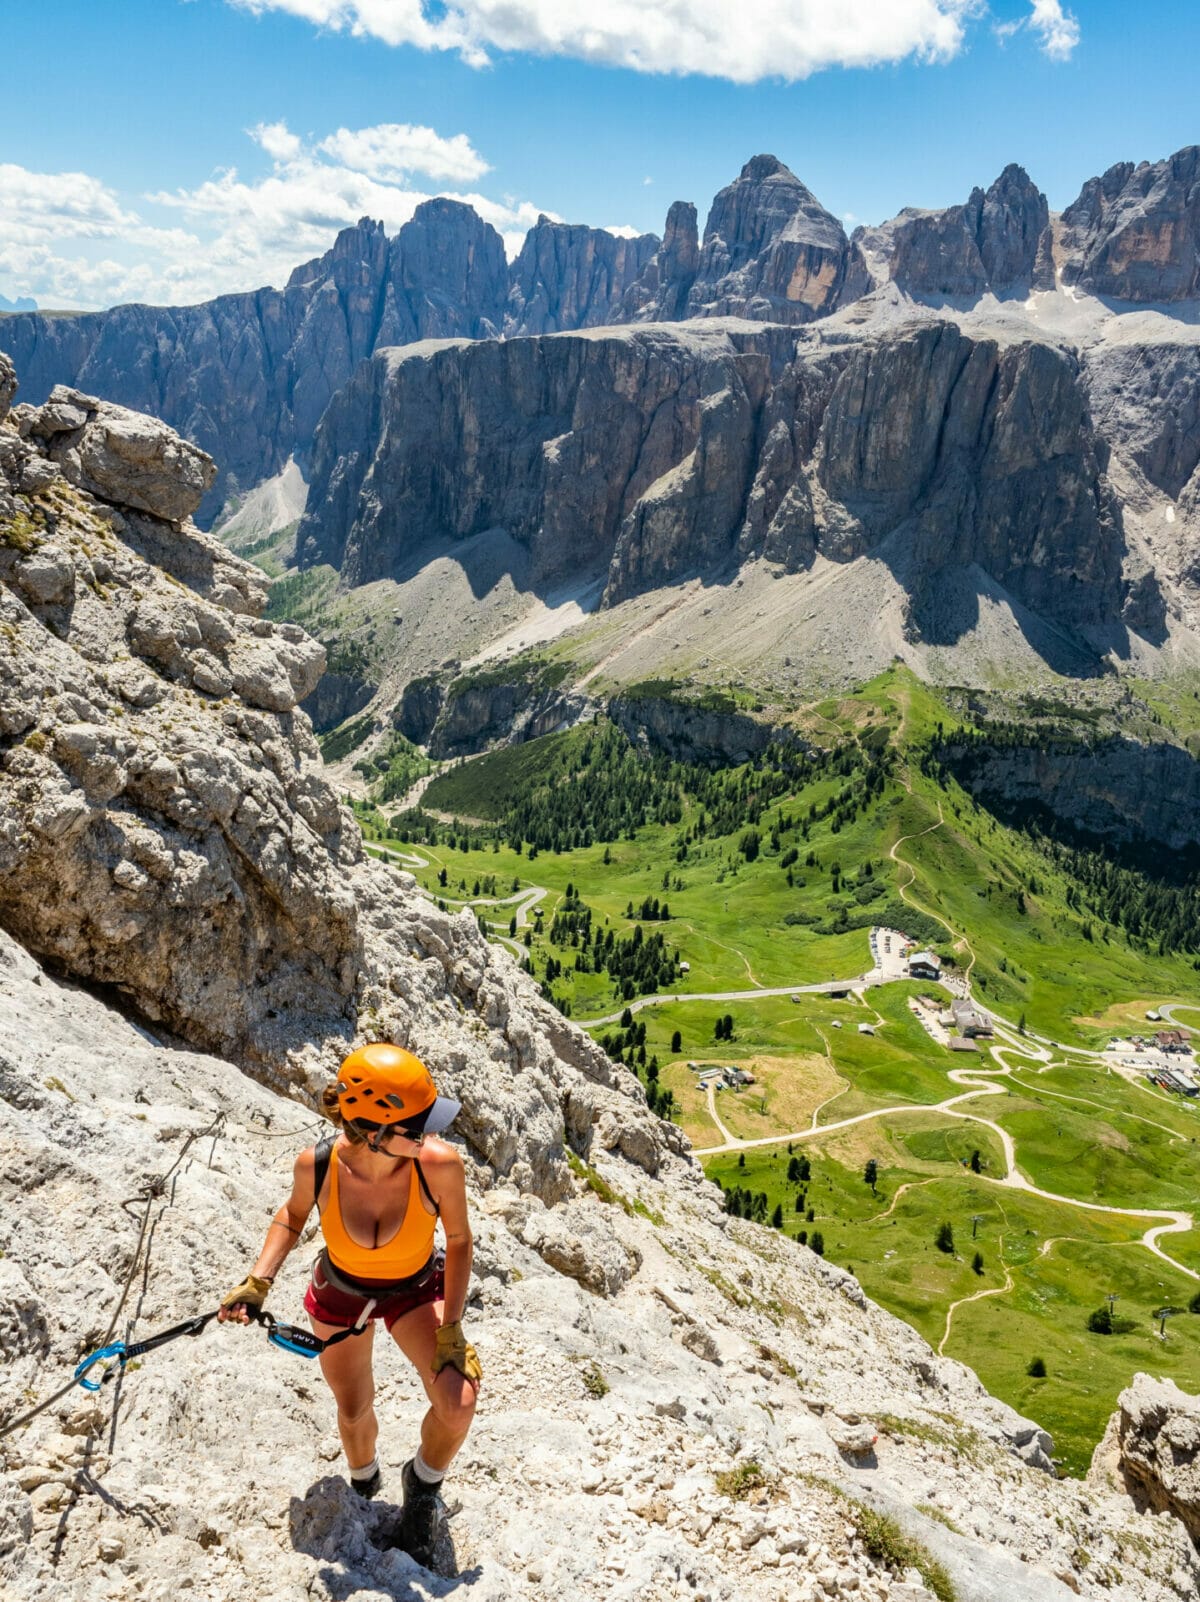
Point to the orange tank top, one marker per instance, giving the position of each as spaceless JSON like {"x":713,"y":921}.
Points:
{"x":406,"y":1253}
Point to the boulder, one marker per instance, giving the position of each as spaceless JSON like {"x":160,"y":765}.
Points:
{"x":1153,"y":1442}
{"x":123,"y":456}
{"x":8,"y":385}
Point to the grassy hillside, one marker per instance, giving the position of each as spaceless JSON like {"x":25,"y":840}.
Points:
{"x":656,"y":902}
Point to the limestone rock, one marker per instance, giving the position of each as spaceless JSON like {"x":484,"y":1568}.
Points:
{"x":166,"y":830}
{"x":8,"y":385}
{"x":1157,"y":1441}
{"x":1010,"y":223}
{"x":660,"y":453}
{"x":661,"y":292}
{"x":1134,"y":233}
{"x":999,"y":241}
{"x":570,"y":276}
{"x":772,"y":251}
{"x":123,"y":456}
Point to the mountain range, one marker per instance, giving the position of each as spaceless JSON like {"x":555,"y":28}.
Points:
{"x":987,"y":414}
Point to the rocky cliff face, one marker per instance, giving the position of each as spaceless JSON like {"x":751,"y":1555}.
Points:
{"x":690,"y":732}
{"x":659,"y":453}
{"x":772,"y":252}
{"x":1152,"y":1450}
{"x":166,"y":831}
{"x":248,"y":376}
{"x":999,"y":241}
{"x":1118,"y":792}
{"x":573,"y":277}
{"x":1134,"y":233}
{"x":661,"y":292}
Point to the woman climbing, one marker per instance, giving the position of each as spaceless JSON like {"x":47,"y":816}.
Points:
{"x":381,"y":1184}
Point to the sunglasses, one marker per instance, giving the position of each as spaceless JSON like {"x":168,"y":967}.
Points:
{"x":377,"y":1134}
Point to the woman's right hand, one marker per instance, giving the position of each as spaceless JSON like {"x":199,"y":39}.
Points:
{"x":235,"y":1305}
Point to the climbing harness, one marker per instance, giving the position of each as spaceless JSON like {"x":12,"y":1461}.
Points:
{"x":289,"y":1337}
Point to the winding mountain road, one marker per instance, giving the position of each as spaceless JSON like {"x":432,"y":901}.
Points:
{"x":976,"y":1082}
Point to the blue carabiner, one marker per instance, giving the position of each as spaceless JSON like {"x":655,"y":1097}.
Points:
{"x":278,"y":1339}
{"x":117,"y":1349}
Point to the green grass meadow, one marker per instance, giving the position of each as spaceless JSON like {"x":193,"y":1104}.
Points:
{"x":989,"y":899}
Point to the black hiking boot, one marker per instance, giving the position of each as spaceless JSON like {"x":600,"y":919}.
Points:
{"x":368,"y":1488}
{"x":420,"y":1523}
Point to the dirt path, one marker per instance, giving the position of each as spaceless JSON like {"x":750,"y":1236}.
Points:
{"x":1169,"y":1222}
{"x":960,"y":941}
{"x":1084,"y":1101}
{"x":710,"y":1091}
{"x":630,"y":640}
{"x":979,"y":1296}
{"x":845,"y":1083}
{"x":727,"y":995}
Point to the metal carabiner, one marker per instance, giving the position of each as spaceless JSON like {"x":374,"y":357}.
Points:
{"x":117,"y":1350}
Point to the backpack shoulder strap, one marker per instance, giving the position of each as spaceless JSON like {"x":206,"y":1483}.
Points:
{"x":429,"y":1196}
{"x":322,"y":1155}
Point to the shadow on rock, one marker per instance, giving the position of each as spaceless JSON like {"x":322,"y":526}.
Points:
{"x":352,"y":1538}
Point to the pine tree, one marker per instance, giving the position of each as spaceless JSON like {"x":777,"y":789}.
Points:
{"x":871,"y":1173}
{"x":944,"y":1239}
{"x":977,"y":1262}
{"x":676,"y":1043}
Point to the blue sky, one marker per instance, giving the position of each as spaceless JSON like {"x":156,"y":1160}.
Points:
{"x":181,"y":148}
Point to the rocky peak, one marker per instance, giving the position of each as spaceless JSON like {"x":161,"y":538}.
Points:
{"x":1134,"y":233}
{"x":661,"y":292}
{"x":361,"y":244}
{"x":571,"y":276}
{"x":765,"y":203}
{"x":449,"y":275}
{"x":772,"y":252}
{"x":998,"y":241}
{"x":1009,"y":224}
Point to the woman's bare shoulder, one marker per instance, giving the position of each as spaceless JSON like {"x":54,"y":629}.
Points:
{"x":440,"y":1156}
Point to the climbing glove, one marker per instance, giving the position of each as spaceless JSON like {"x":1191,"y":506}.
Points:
{"x":454,"y":1349}
{"x":252,"y":1292}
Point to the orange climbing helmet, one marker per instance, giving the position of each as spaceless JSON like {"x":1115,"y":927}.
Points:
{"x":384,"y":1084}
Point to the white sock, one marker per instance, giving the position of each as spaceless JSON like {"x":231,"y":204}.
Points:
{"x":366,"y":1471}
{"x":427,"y":1475}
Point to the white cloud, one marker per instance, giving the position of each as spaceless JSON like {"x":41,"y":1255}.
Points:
{"x":276,"y":139}
{"x":754,"y":40}
{"x":622,"y":230}
{"x":1058,"y":29}
{"x":394,"y":149}
{"x":70,"y":240}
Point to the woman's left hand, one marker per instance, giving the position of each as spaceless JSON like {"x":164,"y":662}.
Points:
{"x":453,"y":1349}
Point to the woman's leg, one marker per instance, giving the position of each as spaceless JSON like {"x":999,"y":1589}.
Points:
{"x":451,"y":1395}
{"x":347,"y":1370}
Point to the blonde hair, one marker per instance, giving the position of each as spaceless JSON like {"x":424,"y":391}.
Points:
{"x":331,"y":1108}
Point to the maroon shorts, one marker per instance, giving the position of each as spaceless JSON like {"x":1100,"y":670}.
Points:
{"x":332,"y":1306}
